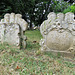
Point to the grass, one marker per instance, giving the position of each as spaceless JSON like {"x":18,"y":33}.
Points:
{"x":33,"y":38}
{"x":31,"y":61}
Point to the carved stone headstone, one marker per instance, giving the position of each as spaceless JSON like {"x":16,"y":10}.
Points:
{"x":12,"y":30}
{"x":58,"y":33}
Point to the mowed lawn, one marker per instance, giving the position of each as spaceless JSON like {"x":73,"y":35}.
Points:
{"x":32,"y":61}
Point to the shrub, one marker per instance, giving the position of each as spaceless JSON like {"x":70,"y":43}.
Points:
{"x":67,"y":10}
{"x":73,"y":8}
{"x":70,"y":9}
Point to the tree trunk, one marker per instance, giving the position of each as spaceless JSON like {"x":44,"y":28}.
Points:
{"x":30,"y":24}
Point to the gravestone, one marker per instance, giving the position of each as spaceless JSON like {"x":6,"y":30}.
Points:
{"x":58,"y":33}
{"x":12,"y":30}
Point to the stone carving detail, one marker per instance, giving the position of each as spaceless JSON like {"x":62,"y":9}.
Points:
{"x":58,"y":33}
{"x":12,"y":30}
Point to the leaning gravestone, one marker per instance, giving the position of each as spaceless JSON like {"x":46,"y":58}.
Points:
{"x":12,"y":30}
{"x":58,"y":33}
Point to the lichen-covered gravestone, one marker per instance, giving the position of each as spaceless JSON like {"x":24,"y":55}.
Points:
{"x":12,"y":30}
{"x":58,"y":33}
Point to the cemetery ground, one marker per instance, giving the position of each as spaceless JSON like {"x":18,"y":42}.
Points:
{"x":32,"y":61}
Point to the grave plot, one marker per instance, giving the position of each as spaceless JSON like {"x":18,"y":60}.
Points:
{"x":58,"y":33}
{"x":12,"y":30}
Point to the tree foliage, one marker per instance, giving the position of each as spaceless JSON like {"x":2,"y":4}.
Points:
{"x":4,"y":8}
{"x":33,"y":11}
{"x":73,"y":8}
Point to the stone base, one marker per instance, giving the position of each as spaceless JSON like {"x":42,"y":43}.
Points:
{"x":63,"y":54}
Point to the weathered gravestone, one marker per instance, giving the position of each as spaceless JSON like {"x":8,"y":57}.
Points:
{"x":12,"y":30}
{"x":58,"y":33}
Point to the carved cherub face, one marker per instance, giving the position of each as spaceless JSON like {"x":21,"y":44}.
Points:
{"x":57,"y":25}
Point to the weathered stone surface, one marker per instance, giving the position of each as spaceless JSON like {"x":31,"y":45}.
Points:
{"x":7,"y":18}
{"x":58,"y":33}
{"x":69,"y":17}
{"x":59,"y":41}
{"x":12,"y":18}
{"x":12,"y":29}
{"x":60,"y":17}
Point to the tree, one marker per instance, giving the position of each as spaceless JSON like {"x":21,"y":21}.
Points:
{"x":70,"y":1}
{"x":4,"y":8}
{"x":34,"y":11}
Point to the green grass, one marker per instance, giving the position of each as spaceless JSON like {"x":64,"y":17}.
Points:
{"x":33,"y":39}
{"x":33,"y":35}
{"x":31,"y":61}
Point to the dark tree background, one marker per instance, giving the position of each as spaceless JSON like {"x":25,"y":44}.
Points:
{"x":34,"y":11}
